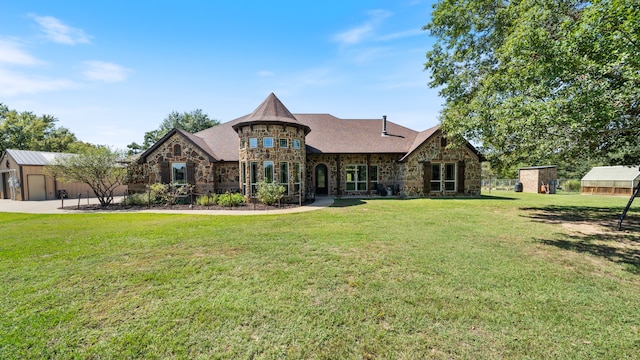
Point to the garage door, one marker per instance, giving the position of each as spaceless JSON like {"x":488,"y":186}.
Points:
{"x":36,"y":187}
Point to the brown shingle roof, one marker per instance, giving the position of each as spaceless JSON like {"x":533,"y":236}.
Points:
{"x":333,"y":135}
{"x":272,"y":110}
{"x":329,"y":134}
{"x":325,"y":133}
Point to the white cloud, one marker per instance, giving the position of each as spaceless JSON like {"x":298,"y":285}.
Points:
{"x":104,"y":71}
{"x":56,"y":31}
{"x":362,"y":56}
{"x":14,"y":83}
{"x":11,"y":53}
{"x":364,"y":31}
{"x":401,"y":34}
{"x":265,"y":73}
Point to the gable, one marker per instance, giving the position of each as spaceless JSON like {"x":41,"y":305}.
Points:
{"x":190,"y":138}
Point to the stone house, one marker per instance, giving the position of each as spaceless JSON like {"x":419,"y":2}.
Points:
{"x":311,"y":154}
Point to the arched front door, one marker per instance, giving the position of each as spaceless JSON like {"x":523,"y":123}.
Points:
{"x":322,"y":180}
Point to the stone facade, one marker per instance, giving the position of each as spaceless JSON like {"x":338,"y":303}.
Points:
{"x":177,"y":149}
{"x":287,"y":145}
{"x":435,"y":151}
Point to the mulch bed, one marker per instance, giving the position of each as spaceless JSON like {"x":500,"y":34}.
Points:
{"x":122,"y":207}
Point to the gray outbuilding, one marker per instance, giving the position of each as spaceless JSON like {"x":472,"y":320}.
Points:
{"x":611,"y":180}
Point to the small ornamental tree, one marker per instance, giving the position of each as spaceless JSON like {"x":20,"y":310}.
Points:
{"x":99,"y":167}
{"x":270,"y":193}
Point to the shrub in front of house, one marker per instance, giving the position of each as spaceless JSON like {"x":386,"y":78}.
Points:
{"x":270,"y":193}
{"x":229,"y":199}
{"x":137,"y":199}
{"x":207,"y":200}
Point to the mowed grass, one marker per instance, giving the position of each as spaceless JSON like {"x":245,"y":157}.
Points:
{"x":497,"y":277}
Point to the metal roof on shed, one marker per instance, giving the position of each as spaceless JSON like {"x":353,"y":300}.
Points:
{"x":28,"y":157}
{"x":613,"y":173}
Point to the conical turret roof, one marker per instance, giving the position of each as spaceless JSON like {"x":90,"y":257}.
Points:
{"x":271,"y":111}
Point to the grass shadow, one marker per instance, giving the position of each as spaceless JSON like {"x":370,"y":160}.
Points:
{"x":592,"y":230}
{"x":481,"y":197}
{"x":588,"y":214}
{"x":340,"y":203}
{"x":609,"y":247}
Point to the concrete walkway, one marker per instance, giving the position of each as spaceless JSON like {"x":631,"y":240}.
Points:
{"x":53,"y":207}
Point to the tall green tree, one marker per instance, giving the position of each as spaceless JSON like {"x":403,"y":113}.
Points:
{"x":192,"y":122}
{"x":540,"y":81}
{"x":27,"y":131}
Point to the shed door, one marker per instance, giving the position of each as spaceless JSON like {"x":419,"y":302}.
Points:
{"x":36,"y":187}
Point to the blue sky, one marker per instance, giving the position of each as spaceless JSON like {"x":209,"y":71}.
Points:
{"x":112,"y":70}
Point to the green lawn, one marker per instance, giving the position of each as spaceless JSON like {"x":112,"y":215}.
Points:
{"x":510,"y":275}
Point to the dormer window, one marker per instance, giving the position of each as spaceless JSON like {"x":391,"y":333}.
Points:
{"x":177,"y":150}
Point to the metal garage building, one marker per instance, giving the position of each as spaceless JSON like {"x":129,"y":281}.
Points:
{"x":611,"y":180}
{"x":22,"y":177}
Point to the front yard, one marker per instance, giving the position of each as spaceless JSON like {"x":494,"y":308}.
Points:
{"x":510,"y":275}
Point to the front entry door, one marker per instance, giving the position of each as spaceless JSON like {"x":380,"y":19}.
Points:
{"x":322,"y":181}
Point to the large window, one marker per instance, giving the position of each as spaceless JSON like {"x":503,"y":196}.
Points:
{"x":179,"y":173}
{"x":443,"y":176}
{"x":436,"y":174}
{"x":296,"y":177}
{"x":268,"y":171}
{"x":373,"y":176}
{"x":253,"y":176}
{"x":284,"y":176}
{"x":267,"y":142}
{"x":356,"y":177}
{"x":450,"y":177}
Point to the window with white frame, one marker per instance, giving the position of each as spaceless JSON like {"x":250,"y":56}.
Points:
{"x":284,"y":143}
{"x":296,"y":144}
{"x":253,"y":143}
{"x":267,"y":142}
{"x":443,"y":176}
{"x":268,"y":171}
{"x":284,"y":176}
{"x":450,"y":177}
{"x":436,"y":175}
{"x":356,"y":177}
